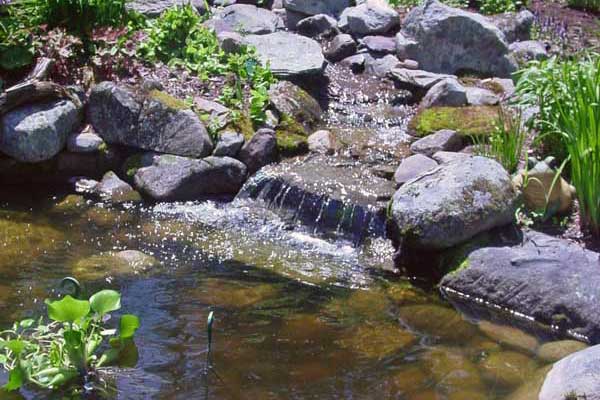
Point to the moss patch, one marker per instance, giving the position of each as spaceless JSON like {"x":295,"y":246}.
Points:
{"x":168,"y":100}
{"x":132,"y":164}
{"x":291,"y":137}
{"x":468,"y":121}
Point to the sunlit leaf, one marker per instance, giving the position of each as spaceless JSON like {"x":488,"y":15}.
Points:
{"x":26,"y":323}
{"x":128,"y":325}
{"x":15,"y":345}
{"x":105,"y":301}
{"x":16,"y":377}
{"x":68,"y":309}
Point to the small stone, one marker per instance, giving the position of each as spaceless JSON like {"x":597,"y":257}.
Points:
{"x":356,"y":63}
{"x":553,"y":351}
{"x":509,"y":336}
{"x":380,"y":66}
{"x":446,"y":93}
{"x":230,"y":42}
{"x":317,"y":26}
{"x":413,"y":166}
{"x":229,"y":144}
{"x":341,"y":47}
{"x":84,"y":142}
{"x":481,"y":97}
{"x":111,"y":188}
{"x":444,"y":140}
{"x":379,"y":44}
{"x":322,"y":142}
{"x":260,"y":150}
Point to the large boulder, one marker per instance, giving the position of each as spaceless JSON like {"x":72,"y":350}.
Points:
{"x":38,"y":132}
{"x":313,"y":7}
{"x":574,"y":377}
{"x":453,"y":202}
{"x":151,"y":121}
{"x":153,"y":8}
{"x":288,"y":54}
{"x":372,"y":17}
{"x":449,"y":40}
{"x":550,"y":279}
{"x":245,"y":19}
{"x":516,"y":27}
{"x":172,"y":178}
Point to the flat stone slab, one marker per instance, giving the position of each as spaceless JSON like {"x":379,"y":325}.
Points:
{"x":549,"y":279}
{"x":288,"y":54}
{"x":332,"y":193}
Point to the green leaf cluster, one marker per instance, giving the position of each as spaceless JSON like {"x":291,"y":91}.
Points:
{"x":51,"y":355}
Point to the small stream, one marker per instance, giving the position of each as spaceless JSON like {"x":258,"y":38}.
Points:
{"x":303,"y":309}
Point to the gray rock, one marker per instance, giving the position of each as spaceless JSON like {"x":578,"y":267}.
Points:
{"x":84,"y":142}
{"x":380,"y":66}
{"x":152,"y":121}
{"x":291,"y":19}
{"x":515,"y":26}
{"x":447,"y":93}
{"x":322,"y":142}
{"x":356,"y":63}
{"x":550,"y":279}
{"x":453,"y":202}
{"x":507,"y":86}
{"x":481,"y":97}
{"x":340,"y":47}
{"x":94,"y":164}
{"x":260,"y":150}
{"x":114,"y":190}
{"x":449,"y":40}
{"x":289,"y":55}
{"x":153,"y":8}
{"x":372,"y":17}
{"x":444,"y":140}
{"x":379,"y":44}
{"x":313,"y":7}
{"x":409,"y":64}
{"x":343,"y":20}
{"x":229,"y":144}
{"x":523,"y":52}
{"x":174,"y":178}
{"x":417,"y":80}
{"x":230,"y":42}
{"x":577,"y":375}
{"x":412,"y":167}
{"x":317,"y":26}
{"x":218,"y":116}
{"x":38,"y":132}
{"x":445,"y":157}
{"x":244,"y":19}
{"x":294,"y":102}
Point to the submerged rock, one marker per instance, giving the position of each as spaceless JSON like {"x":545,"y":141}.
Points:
{"x":577,"y":375}
{"x":509,"y":336}
{"x":437,"y":321}
{"x":550,"y":279}
{"x":507,"y":368}
{"x":38,"y":132}
{"x":289,"y":55}
{"x":449,"y":40}
{"x":451,"y":369}
{"x":553,"y":351}
{"x":126,"y":262}
{"x":150,"y":121}
{"x":172,"y":178}
{"x":454,"y":202}
{"x":377,"y":340}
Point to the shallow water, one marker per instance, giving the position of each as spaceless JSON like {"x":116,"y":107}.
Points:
{"x":298,"y":315}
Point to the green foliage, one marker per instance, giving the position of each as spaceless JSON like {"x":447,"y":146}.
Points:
{"x":177,"y":38}
{"x":589,"y":5}
{"x":568,"y":93}
{"x":51,"y":355}
{"x":16,"y":42}
{"x":505,"y":144}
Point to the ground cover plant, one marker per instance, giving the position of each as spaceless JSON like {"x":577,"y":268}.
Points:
{"x":75,"y":341}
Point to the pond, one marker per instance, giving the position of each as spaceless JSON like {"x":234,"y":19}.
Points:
{"x":299,"y":315}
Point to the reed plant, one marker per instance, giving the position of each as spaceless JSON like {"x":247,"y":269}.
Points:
{"x":505,"y":144}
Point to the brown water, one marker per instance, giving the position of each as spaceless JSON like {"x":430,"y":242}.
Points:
{"x":297,"y":316}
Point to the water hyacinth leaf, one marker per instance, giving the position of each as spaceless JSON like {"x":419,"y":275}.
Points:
{"x":128,"y":355}
{"x":16,"y":377}
{"x":129,"y":324}
{"x":62,"y":377}
{"x":15,"y":345}
{"x":68,"y":309}
{"x":105,"y":301}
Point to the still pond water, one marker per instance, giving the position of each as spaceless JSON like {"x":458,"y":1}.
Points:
{"x":298,"y":315}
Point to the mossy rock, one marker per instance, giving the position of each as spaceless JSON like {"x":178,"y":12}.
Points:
{"x":123,"y":263}
{"x":72,"y":204}
{"x":508,"y":369}
{"x":509,"y":336}
{"x":292,"y":138}
{"x":468,"y":121}
{"x":168,"y":100}
{"x":231,"y":294}
{"x":553,"y":351}
{"x":451,"y":369}
{"x":438,"y":321}
{"x":377,"y":340}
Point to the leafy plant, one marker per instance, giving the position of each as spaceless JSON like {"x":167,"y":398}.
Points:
{"x":505,"y":144}
{"x":177,"y":38}
{"x":499,"y":6}
{"x":51,"y":355}
{"x":568,"y":93}
{"x":16,"y":40}
{"x":589,"y":5}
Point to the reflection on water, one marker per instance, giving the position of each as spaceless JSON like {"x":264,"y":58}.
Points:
{"x":297,"y":316}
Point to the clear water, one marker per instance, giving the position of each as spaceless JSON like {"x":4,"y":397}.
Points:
{"x":298,"y":316}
